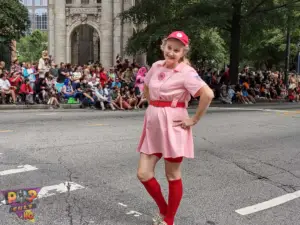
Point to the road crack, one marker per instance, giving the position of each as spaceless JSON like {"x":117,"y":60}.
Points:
{"x":72,"y":201}
{"x":288,"y":188}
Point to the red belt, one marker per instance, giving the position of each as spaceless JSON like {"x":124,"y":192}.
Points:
{"x":167,"y":104}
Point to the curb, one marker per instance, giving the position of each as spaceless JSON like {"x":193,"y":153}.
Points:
{"x":193,"y":104}
{"x":26,"y":107}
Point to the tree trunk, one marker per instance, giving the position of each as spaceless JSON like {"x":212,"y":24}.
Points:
{"x":235,"y":41}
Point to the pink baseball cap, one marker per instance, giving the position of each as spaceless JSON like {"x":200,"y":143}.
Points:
{"x":181,"y":36}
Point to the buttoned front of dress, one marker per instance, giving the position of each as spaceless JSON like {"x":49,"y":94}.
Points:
{"x":174,"y":85}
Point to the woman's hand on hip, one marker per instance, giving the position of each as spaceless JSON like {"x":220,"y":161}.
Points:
{"x":184,"y":124}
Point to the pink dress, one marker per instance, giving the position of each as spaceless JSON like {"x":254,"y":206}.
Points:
{"x":140,"y":77}
{"x":159,"y":135}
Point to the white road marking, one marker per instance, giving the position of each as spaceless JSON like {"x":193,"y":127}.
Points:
{"x":48,"y":191}
{"x":6,"y":131}
{"x":20,"y":169}
{"x":46,"y":114}
{"x":97,"y":125}
{"x":59,"y":188}
{"x":121,"y":204}
{"x":268,"y":204}
{"x":250,"y":109}
{"x":134,"y":213}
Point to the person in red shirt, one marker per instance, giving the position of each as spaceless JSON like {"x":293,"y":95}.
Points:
{"x":16,"y":80}
{"x":26,"y":92}
{"x":103,"y":77}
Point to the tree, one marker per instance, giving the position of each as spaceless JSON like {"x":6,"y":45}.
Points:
{"x":31,"y":46}
{"x":157,"y":22}
{"x":14,"y":19}
{"x":240,"y":21}
{"x":238,"y":17}
{"x":208,"y":49}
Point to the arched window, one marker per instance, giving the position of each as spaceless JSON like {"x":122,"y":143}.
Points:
{"x":85,"y":1}
{"x":69,"y":1}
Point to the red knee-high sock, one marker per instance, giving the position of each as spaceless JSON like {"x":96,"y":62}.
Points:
{"x":153,"y":188}
{"x":175,"y":196}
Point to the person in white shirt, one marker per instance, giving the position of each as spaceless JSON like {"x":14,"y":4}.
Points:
{"x":43,"y":64}
{"x":6,"y":89}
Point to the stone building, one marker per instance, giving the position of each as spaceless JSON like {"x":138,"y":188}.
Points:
{"x":87,"y":30}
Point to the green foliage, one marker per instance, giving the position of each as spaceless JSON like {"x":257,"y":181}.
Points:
{"x":14,"y":19}
{"x":164,"y":19}
{"x":31,"y":46}
{"x":210,"y":24}
{"x":209,"y":49}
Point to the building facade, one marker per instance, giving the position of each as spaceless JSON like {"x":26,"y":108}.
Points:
{"x":82,"y":31}
{"x":38,"y":14}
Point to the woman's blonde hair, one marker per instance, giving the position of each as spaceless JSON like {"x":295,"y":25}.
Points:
{"x":186,"y":50}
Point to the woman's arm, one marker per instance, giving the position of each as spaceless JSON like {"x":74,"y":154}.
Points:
{"x":206,"y":96}
{"x":146,"y":93}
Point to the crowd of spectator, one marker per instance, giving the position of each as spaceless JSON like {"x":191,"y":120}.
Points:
{"x":121,"y":87}
{"x":253,"y":86}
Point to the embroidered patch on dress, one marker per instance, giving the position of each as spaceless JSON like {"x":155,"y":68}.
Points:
{"x":161,"y":76}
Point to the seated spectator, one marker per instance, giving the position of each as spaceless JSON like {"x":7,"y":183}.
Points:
{"x":117,"y":97}
{"x":239,"y":95}
{"x":142,"y":102}
{"x":26,"y":92}
{"x":116,"y":83}
{"x":248,"y":98}
{"x":86,"y":92}
{"x":292,"y":95}
{"x":231,"y":93}
{"x":99,"y":92}
{"x":224,"y":95}
{"x":6,"y":89}
{"x":53,"y":99}
{"x":298,"y":93}
{"x":111,"y":75}
{"x":42,"y":91}
{"x":16,"y":80}
{"x":132,"y":98}
{"x":108,"y":94}
{"x":67,"y":89}
{"x":76,"y":76}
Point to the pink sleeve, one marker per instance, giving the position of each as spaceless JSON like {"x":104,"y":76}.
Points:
{"x":149,"y":74}
{"x":193,"y":82}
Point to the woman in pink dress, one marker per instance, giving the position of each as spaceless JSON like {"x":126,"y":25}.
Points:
{"x":167,"y":131}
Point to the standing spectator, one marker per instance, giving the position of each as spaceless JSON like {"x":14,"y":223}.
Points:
{"x":62,"y":73}
{"x":53,"y":70}
{"x":139,"y":80}
{"x":15,"y":67}
{"x":43,"y":64}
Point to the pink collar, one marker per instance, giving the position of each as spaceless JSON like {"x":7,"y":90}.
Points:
{"x":178,"y":68}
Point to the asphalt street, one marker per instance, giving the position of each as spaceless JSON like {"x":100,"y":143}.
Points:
{"x":85,"y":162}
